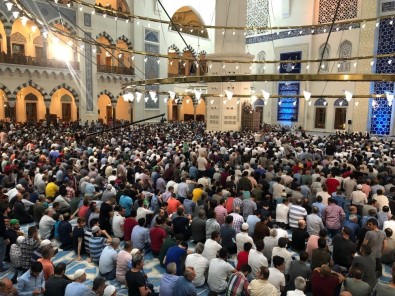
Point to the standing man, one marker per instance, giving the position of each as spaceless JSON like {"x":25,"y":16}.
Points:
{"x":333,"y":217}
{"x":374,"y":238}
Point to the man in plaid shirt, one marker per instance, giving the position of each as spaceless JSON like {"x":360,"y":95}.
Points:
{"x":28,"y":246}
{"x":16,"y":257}
{"x":238,"y":283}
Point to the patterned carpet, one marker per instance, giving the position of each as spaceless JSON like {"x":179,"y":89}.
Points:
{"x":151,"y":267}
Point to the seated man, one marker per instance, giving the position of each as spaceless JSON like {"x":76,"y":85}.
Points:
{"x":77,"y":288}
{"x":6,"y":288}
{"x":218,"y":272}
{"x":108,"y":260}
{"x":135,"y":280}
{"x":56,"y":285}
{"x":97,"y":243}
{"x":32,"y":281}
{"x":140,"y":236}
{"x":177,"y":254}
{"x":168,"y":280}
{"x":184,"y":284}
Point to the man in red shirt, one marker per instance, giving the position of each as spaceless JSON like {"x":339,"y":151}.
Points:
{"x":324,"y":277}
{"x":157,"y":236}
{"x":130,"y":223}
{"x":332,"y":184}
{"x":172,"y":204}
{"x":242,"y":257}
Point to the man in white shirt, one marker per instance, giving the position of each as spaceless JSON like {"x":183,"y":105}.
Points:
{"x":212,"y":246}
{"x":218,"y":272}
{"x":282,"y":251}
{"x":108,"y":260}
{"x":46,"y":224}
{"x":277,"y":277}
{"x":358,"y":197}
{"x":199,"y":263}
{"x":256,"y":259}
{"x":390,"y":224}
{"x":282,"y":211}
{"x":118,"y":221}
{"x":243,"y":237}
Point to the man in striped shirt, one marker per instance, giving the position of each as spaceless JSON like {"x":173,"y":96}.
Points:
{"x":238,"y":283}
{"x":97,"y":243}
{"x":296,"y":213}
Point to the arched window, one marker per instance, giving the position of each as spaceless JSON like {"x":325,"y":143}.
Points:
{"x":189,"y":22}
{"x":320,"y":113}
{"x":345,"y":51}
{"x":18,"y":42}
{"x":340,"y":114}
{"x":31,"y":97}
{"x":66,"y":99}
{"x":261,"y":67}
{"x":324,"y":52}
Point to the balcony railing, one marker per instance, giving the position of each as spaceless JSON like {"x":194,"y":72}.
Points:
{"x":115,"y":70}
{"x":20,"y":59}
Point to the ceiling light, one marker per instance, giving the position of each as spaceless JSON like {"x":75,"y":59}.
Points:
{"x":307,"y":95}
{"x":348,"y":95}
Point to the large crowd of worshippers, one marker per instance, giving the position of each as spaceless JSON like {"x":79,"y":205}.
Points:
{"x":298,"y":213}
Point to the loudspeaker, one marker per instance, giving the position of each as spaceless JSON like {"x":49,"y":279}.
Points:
{"x":349,"y":121}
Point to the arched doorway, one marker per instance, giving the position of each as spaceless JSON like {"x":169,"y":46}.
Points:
{"x":258,"y":106}
{"x":104,"y":59}
{"x":63,"y":105}
{"x":340,"y":114}
{"x":105,"y":109}
{"x":123,"y":110}
{"x":320,"y":113}
{"x":30,"y":105}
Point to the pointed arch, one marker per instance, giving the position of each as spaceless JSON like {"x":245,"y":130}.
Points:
{"x":68,"y":88}
{"x":261,"y":57}
{"x":110,"y":95}
{"x":186,"y":19}
{"x":34,"y":85}
{"x":65,"y":24}
{"x":6,"y":91}
{"x":126,"y":40}
{"x":345,"y":51}
{"x":107,"y":36}
{"x":324,"y":52}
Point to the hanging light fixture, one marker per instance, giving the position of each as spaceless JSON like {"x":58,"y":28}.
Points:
{"x":390,"y":98}
{"x":15,"y":13}
{"x":198,"y":94}
{"x":146,"y":99}
{"x":24,"y":20}
{"x":229,"y":94}
{"x":138,"y":96}
{"x":266,"y":95}
{"x":348,"y":95}
{"x":9,"y":5}
{"x":307,"y":95}
{"x":152,"y":94}
{"x":172,"y":94}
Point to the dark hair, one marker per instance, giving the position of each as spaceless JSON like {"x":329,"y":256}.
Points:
{"x":373,"y":221}
{"x":247,"y":246}
{"x":31,"y":230}
{"x":141,"y":221}
{"x":265,"y":271}
{"x":133,"y":213}
{"x":321,"y":243}
{"x":366,"y":250}
{"x":277,"y":261}
{"x":260,"y":245}
{"x":214,"y":234}
{"x":98,"y":282}
{"x":323,"y":233}
{"x":61,"y":267}
{"x":388,"y":232}
{"x":304,"y":256}
{"x":358,"y":272}
{"x":36,"y":266}
{"x":282,"y":242}
{"x":93,"y":222}
{"x":223,"y":253}
{"x":229,"y":219}
{"x":245,"y":268}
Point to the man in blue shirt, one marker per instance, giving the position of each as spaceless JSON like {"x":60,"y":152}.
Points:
{"x":32,"y":281}
{"x":176,"y":254}
{"x":77,"y":288}
{"x":140,"y":236}
{"x":184,"y":286}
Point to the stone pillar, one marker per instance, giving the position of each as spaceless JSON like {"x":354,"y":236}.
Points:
{"x":366,"y":47}
{"x":195,"y":104}
{"x":179,"y":106}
